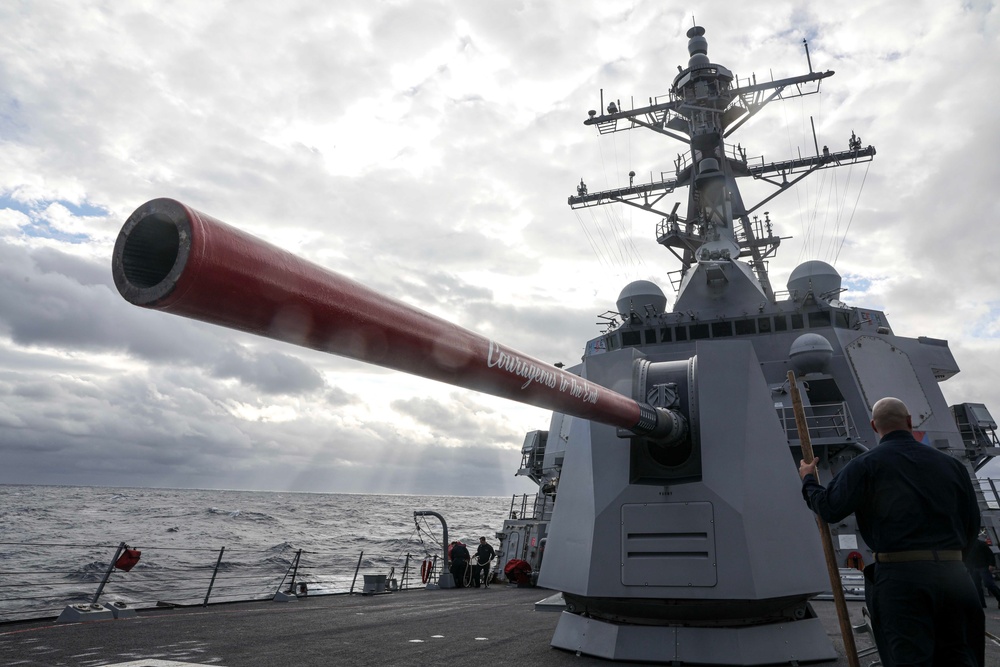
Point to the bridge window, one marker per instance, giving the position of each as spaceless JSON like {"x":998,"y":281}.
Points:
{"x":666,"y":335}
{"x":722,"y":329}
{"x":797,"y":321}
{"x":650,"y":336}
{"x":820,"y":319}
{"x":680,"y":333}
{"x":747,"y":327}
{"x":780,"y":323}
{"x":764,"y":324}
{"x":631,"y":338}
{"x":699,"y":331}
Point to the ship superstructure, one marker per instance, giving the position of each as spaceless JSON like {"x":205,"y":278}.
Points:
{"x":660,"y":551}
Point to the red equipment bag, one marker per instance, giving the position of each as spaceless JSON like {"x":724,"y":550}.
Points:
{"x":128,"y":559}
{"x":517,"y":571}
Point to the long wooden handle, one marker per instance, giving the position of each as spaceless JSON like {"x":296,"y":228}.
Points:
{"x":824,"y":531}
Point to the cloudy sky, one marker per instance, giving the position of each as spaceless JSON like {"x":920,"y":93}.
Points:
{"x":427,"y":149}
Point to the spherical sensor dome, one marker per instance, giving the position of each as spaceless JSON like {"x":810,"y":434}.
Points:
{"x":810,"y":353}
{"x":639,"y":294}
{"x":822,"y":277}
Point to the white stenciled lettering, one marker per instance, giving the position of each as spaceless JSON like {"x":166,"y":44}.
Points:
{"x":582,"y":389}
{"x":514,"y":364}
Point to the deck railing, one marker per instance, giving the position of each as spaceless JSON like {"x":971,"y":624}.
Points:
{"x":825,"y":421}
{"x":990,"y":491}
{"x":39,"y":579}
{"x":531,"y":506}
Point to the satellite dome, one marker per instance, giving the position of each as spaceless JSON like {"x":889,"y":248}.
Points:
{"x":818,"y":276}
{"x":639,"y":294}
{"x":810,"y":353}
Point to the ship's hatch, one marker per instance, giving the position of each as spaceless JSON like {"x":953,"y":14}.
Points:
{"x":668,"y":544}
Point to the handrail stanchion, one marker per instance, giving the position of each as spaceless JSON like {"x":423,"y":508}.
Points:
{"x":356,"y":568}
{"x":107,"y":575}
{"x":406,"y":567}
{"x":211,"y":584}
{"x":295,"y":569}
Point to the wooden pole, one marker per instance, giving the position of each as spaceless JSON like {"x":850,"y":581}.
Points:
{"x":824,"y":531}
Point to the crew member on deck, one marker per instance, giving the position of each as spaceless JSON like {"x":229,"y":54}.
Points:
{"x":459,"y":555}
{"x":916,"y":508}
{"x":981,"y":563}
{"x":484,"y":556}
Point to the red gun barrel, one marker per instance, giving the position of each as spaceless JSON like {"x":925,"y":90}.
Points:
{"x":173,"y":258}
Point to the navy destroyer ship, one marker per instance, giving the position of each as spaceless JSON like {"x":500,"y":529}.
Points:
{"x":669,"y":516}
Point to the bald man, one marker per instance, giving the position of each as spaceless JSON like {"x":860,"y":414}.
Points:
{"x":916,"y":508}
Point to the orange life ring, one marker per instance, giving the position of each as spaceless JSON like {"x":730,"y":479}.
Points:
{"x":856,"y":560}
{"x":425,"y":570}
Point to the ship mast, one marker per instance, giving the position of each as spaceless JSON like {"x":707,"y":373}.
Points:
{"x":706,"y":105}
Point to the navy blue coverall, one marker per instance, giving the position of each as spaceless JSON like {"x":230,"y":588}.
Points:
{"x":459,"y":562}
{"x":907,"y":497}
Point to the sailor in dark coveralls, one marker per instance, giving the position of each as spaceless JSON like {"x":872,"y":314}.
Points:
{"x":916,"y":508}
{"x":980,"y":561}
{"x":459,"y":555}
{"x":484,"y":556}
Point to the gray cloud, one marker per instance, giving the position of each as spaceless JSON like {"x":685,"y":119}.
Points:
{"x":427,"y":149}
{"x":271,"y":372}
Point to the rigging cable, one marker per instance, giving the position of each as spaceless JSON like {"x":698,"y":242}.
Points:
{"x":621,"y":245}
{"x":627,"y":239}
{"x":609,"y":248}
{"x":621,"y":239}
{"x":798,"y":192}
{"x":430,"y":535}
{"x":815,"y":239}
{"x":832,"y":175}
{"x":835,"y":249}
{"x":590,"y":239}
{"x":853,"y":210}
{"x":600,"y":228}
{"x":630,"y":236}
{"x":831,"y":199}
{"x":615,"y":216}
{"x":827,"y":183}
{"x":416,"y":529}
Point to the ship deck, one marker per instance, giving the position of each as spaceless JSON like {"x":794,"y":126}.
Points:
{"x":496,"y":626}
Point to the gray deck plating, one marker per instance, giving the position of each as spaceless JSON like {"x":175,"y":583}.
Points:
{"x":496,"y":626}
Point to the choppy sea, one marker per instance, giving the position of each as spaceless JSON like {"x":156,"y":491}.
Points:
{"x":57,"y":543}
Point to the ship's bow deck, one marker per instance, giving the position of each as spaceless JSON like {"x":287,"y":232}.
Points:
{"x":496,"y":626}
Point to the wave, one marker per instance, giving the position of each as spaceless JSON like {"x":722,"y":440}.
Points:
{"x":242,"y":515}
{"x":182,"y":534}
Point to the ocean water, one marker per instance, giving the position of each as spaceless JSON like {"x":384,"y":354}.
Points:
{"x":58,"y":542}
